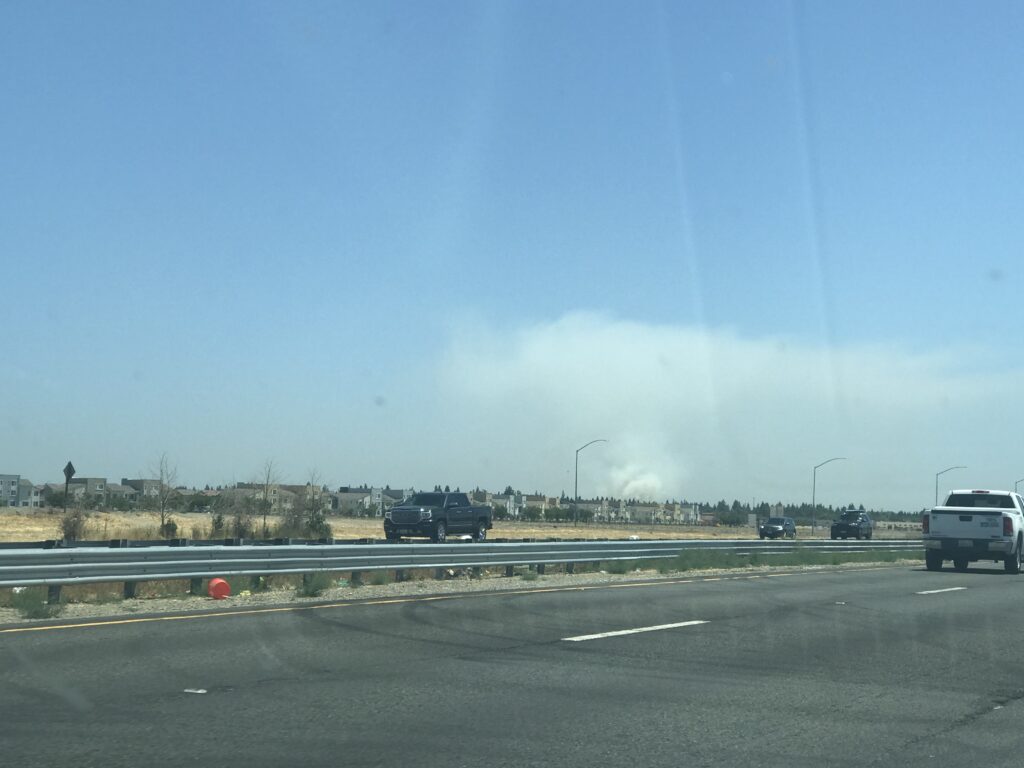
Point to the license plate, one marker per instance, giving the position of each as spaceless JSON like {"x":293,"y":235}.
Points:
{"x":965,"y":543}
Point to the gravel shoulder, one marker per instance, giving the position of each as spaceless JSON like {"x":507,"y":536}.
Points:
{"x":460,"y":584}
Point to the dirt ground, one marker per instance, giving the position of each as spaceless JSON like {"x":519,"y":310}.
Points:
{"x":39,"y":525}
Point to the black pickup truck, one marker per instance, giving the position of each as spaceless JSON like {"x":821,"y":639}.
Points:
{"x":436,"y":515}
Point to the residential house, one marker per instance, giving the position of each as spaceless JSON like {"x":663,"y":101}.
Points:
{"x":281,"y":497}
{"x":350,"y":500}
{"x":143,"y":488}
{"x":644,"y":512}
{"x":29,"y":495}
{"x":536,"y":500}
{"x":708,"y":518}
{"x":121,"y":492}
{"x":9,"y":490}
{"x":381,"y":499}
{"x":689,"y":514}
{"x":92,"y":487}
{"x":598,"y":508}
{"x":249,"y":497}
{"x":50,"y":489}
{"x":289,"y":495}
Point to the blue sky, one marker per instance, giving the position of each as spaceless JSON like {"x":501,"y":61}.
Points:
{"x":241,"y":231}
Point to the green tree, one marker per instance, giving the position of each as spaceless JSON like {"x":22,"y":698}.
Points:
{"x":532,"y":514}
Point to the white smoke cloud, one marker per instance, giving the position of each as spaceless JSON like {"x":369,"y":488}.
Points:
{"x":706,"y":414}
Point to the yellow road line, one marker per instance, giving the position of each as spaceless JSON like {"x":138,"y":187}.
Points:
{"x":397,"y":600}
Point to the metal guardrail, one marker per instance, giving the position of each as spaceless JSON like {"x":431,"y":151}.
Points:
{"x":83,"y":565}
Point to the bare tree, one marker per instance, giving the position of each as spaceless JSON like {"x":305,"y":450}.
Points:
{"x":242,"y":507}
{"x":166,"y":475}
{"x":308,"y":515}
{"x":316,"y":507}
{"x":268,"y":480}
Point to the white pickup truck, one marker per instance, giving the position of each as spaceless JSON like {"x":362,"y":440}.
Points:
{"x":975,"y":525}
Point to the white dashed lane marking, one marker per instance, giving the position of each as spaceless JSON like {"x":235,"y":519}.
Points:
{"x":635,"y":631}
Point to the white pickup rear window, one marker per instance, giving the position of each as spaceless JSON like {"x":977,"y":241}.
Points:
{"x":979,"y":500}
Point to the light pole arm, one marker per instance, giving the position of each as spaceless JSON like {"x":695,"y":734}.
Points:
{"x":937,"y":474}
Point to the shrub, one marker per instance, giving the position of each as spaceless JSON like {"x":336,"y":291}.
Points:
{"x":314,"y":584}
{"x":299,"y":523}
{"x":72,"y":524}
{"x":242,"y":525}
{"x":31,"y":604}
{"x":169,"y":529}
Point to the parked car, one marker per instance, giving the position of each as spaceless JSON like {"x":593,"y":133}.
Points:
{"x":435,"y":515}
{"x":853,"y":523}
{"x":777,"y":528}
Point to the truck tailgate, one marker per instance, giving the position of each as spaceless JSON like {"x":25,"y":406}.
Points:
{"x":966,"y":523}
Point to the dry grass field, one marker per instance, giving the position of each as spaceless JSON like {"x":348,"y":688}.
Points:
{"x":39,"y":525}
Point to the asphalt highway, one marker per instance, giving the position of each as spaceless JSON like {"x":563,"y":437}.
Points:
{"x":889,"y":666}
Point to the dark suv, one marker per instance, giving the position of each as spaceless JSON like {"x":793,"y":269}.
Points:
{"x":777,"y":528}
{"x":853,"y":523}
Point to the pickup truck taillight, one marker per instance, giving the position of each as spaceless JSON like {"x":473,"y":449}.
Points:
{"x":924,"y":523}
{"x":1007,"y":525}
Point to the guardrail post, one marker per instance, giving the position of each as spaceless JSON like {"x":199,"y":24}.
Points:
{"x":439,"y":574}
{"x":474,"y":573}
{"x":129,"y":590}
{"x":256,"y":584}
{"x":195,"y":586}
{"x":399,"y":574}
{"x":53,"y":594}
{"x":510,"y":570}
{"x":540,"y":569}
{"x":570,"y":567}
{"x":355,"y":578}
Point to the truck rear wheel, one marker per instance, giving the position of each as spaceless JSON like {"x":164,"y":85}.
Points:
{"x":933,"y":560}
{"x":1012,"y":562}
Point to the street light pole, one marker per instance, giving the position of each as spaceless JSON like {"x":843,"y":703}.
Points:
{"x":814,"y":488}
{"x":576,"y":482}
{"x":1017,"y":483}
{"x":948,"y":469}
